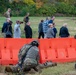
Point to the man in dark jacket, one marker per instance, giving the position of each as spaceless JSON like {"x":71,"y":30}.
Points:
{"x":64,"y":31}
{"x":9,"y":33}
{"x":5,"y":26}
{"x":40,"y":30}
{"x":28,"y":30}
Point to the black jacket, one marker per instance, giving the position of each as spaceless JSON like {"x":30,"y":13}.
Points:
{"x":40,"y":27}
{"x":28,"y":31}
{"x":64,"y":32}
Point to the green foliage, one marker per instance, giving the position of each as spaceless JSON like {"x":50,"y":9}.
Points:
{"x":47,"y":7}
{"x":29,"y":2}
{"x":65,"y":8}
{"x":3,"y":5}
{"x":29,"y":8}
{"x":47,"y":10}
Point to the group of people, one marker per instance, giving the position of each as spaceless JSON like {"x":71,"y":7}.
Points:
{"x":47,"y":29}
{"x":7,"y":26}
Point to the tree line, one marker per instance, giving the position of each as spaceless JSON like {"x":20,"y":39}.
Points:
{"x":39,"y":7}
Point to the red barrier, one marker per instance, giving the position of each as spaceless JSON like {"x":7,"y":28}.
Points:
{"x":71,"y":54}
{"x":51,"y":55}
{"x":43,"y":55}
{"x":56,"y":50}
{"x":2,"y":46}
{"x":62,"y":55}
{"x":60,"y":43}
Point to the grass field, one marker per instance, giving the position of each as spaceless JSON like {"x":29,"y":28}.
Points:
{"x":60,"y":69}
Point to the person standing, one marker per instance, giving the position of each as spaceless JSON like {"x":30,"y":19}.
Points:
{"x":50,"y":32}
{"x":64,"y":31}
{"x":9,"y":33}
{"x":17,"y":30}
{"x":40,"y":30}
{"x":7,"y":14}
{"x":55,"y":30}
{"x":5,"y":27}
{"x":28,"y":30}
{"x":45,"y":26}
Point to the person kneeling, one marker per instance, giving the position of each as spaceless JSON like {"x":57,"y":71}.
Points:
{"x":28,"y":58}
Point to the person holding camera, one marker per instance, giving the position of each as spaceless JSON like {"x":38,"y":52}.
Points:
{"x":17,"y":30}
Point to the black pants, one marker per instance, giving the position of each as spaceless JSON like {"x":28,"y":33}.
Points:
{"x":41,"y":34}
{"x":28,"y":36}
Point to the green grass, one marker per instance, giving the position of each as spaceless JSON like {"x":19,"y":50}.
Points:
{"x":61,"y":69}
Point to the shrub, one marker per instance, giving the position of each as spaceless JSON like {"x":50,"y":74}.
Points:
{"x":47,"y":10}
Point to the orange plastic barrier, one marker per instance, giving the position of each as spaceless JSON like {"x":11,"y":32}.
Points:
{"x":43,"y":55}
{"x":12,"y":47}
{"x":56,"y":49}
{"x":71,"y":54}
{"x":62,"y":55}
{"x":60,"y":43}
{"x":2,"y":46}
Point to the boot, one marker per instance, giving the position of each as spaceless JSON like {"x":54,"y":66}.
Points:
{"x":8,"y":69}
{"x":54,"y":64}
{"x":35,"y":68}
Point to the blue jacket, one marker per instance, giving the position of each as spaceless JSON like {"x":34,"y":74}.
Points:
{"x":5,"y":27}
{"x":45,"y":26}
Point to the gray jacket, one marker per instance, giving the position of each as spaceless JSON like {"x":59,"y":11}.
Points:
{"x":50,"y":33}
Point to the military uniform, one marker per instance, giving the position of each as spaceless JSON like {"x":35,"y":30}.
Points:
{"x":28,"y":58}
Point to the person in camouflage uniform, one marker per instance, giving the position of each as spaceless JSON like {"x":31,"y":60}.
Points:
{"x":28,"y":58}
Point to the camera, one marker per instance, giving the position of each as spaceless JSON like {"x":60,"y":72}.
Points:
{"x":21,"y":22}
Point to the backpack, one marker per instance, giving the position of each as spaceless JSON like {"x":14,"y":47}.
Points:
{"x":23,"y":52}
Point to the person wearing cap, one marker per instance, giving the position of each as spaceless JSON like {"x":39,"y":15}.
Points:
{"x":28,"y":58}
{"x":64,"y":31}
{"x":17,"y":30}
{"x":50,"y":32}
